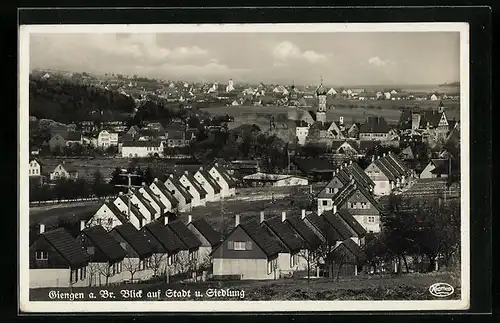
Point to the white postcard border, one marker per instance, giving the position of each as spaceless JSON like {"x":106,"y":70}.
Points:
{"x":28,"y":306}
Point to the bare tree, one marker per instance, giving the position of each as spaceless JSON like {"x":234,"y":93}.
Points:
{"x":94,"y":270}
{"x":156,"y":263}
{"x":132,"y":265}
{"x":105,"y":270}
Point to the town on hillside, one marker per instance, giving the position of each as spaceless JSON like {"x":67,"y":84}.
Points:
{"x":138,"y":182}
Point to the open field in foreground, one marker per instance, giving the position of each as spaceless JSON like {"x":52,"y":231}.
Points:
{"x":405,"y":287}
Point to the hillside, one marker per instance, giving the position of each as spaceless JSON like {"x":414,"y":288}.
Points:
{"x":65,"y":101}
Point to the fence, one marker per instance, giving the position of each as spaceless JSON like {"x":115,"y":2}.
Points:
{"x":82,"y":199}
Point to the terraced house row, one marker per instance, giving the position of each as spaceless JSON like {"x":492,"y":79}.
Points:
{"x":99,"y":256}
{"x":333,"y":238}
{"x":179,"y":192}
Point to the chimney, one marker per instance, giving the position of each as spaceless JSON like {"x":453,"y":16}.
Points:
{"x":42,"y":228}
{"x":334,"y":208}
{"x":236,"y":220}
{"x":186,"y":172}
{"x":384,"y":154}
{"x":143,"y":184}
{"x":190,"y":219}
{"x":171,"y":176}
{"x":82,"y":225}
{"x":120,"y":193}
{"x":262,"y":216}
{"x":165,"y":219}
{"x":155,"y":180}
{"x":303,"y":216}
{"x":373,"y":158}
{"x":283,"y":216}
{"x":350,"y":162}
{"x":201,"y":168}
{"x":216,"y":164}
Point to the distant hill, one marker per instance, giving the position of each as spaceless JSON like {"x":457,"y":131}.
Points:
{"x":450,"y":84}
{"x":65,"y":101}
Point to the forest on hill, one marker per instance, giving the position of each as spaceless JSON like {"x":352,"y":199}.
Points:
{"x":65,"y":101}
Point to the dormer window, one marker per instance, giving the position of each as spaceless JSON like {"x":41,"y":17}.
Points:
{"x":41,"y":255}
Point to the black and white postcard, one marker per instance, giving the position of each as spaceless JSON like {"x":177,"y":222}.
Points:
{"x":246,"y":167}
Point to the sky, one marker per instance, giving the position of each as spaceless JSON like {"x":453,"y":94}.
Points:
{"x":375,"y":58}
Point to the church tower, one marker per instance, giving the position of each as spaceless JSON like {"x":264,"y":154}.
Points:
{"x":321,"y":94}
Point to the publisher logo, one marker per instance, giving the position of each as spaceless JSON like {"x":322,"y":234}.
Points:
{"x":441,"y":289}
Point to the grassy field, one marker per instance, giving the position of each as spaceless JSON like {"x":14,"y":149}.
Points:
{"x":404,"y":287}
{"x":50,"y":215}
{"x":260,"y":115}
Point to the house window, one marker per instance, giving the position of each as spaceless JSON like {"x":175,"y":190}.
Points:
{"x":123,"y":245}
{"x":239,"y":245}
{"x":371,"y":219}
{"x":325,"y":202}
{"x":230,"y":245}
{"x":352,"y":205}
{"x":90,"y":250}
{"x":41,"y":255}
{"x":119,"y":267}
{"x":173,"y":192}
{"x":294,"y":259}
{"x":188,"y":188}
{"x":110,"y":221}
{"x":99,"y":221}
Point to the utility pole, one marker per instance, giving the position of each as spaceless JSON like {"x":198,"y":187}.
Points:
{"x":129,"y":186}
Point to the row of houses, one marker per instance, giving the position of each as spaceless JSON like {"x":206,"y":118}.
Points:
{"x":179,"y":193}
{"x":260,"y":248}
{"x":99,"y":256}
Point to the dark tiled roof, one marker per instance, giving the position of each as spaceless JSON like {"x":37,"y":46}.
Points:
{"x":69,"y":248}
{"x":230,"y":182}
{"x":354,"y":249}
{"x":337,"y":224}
{"x":430,"y":116}
{"x":133,"y":209}
{"x":305,"y":232}
{"x":207,"y":231}
{"x":168,"y":239}
{"x":326,"y":230}
{"x":175,"y":181}
{"x":352,"y":222}
{"x":285,"y":232}
{"x":70,"y":168}
{"x":154,"y":197}
{"x":210,"y":180}
{"x":161,"y":186}
{"x":196,"y":185}
{"x":261,"y":237}
{"x":144,"y":201}
{"x":116,"y":212}
{"x":375,"y":125}
{"x":105,"y":242}
{"x":347,"y":191}
{"x":442,"y":166}
{"x":311,"y":165}
{"x":135,"y":238}
{"x":186,"y":236}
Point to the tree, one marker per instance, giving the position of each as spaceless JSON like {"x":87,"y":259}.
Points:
{"x":156,"y":263}
{"x":99,"y":186}
{"x":429,"y":228}
{"x":132,"y":266}
{"x":104,"y":269}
